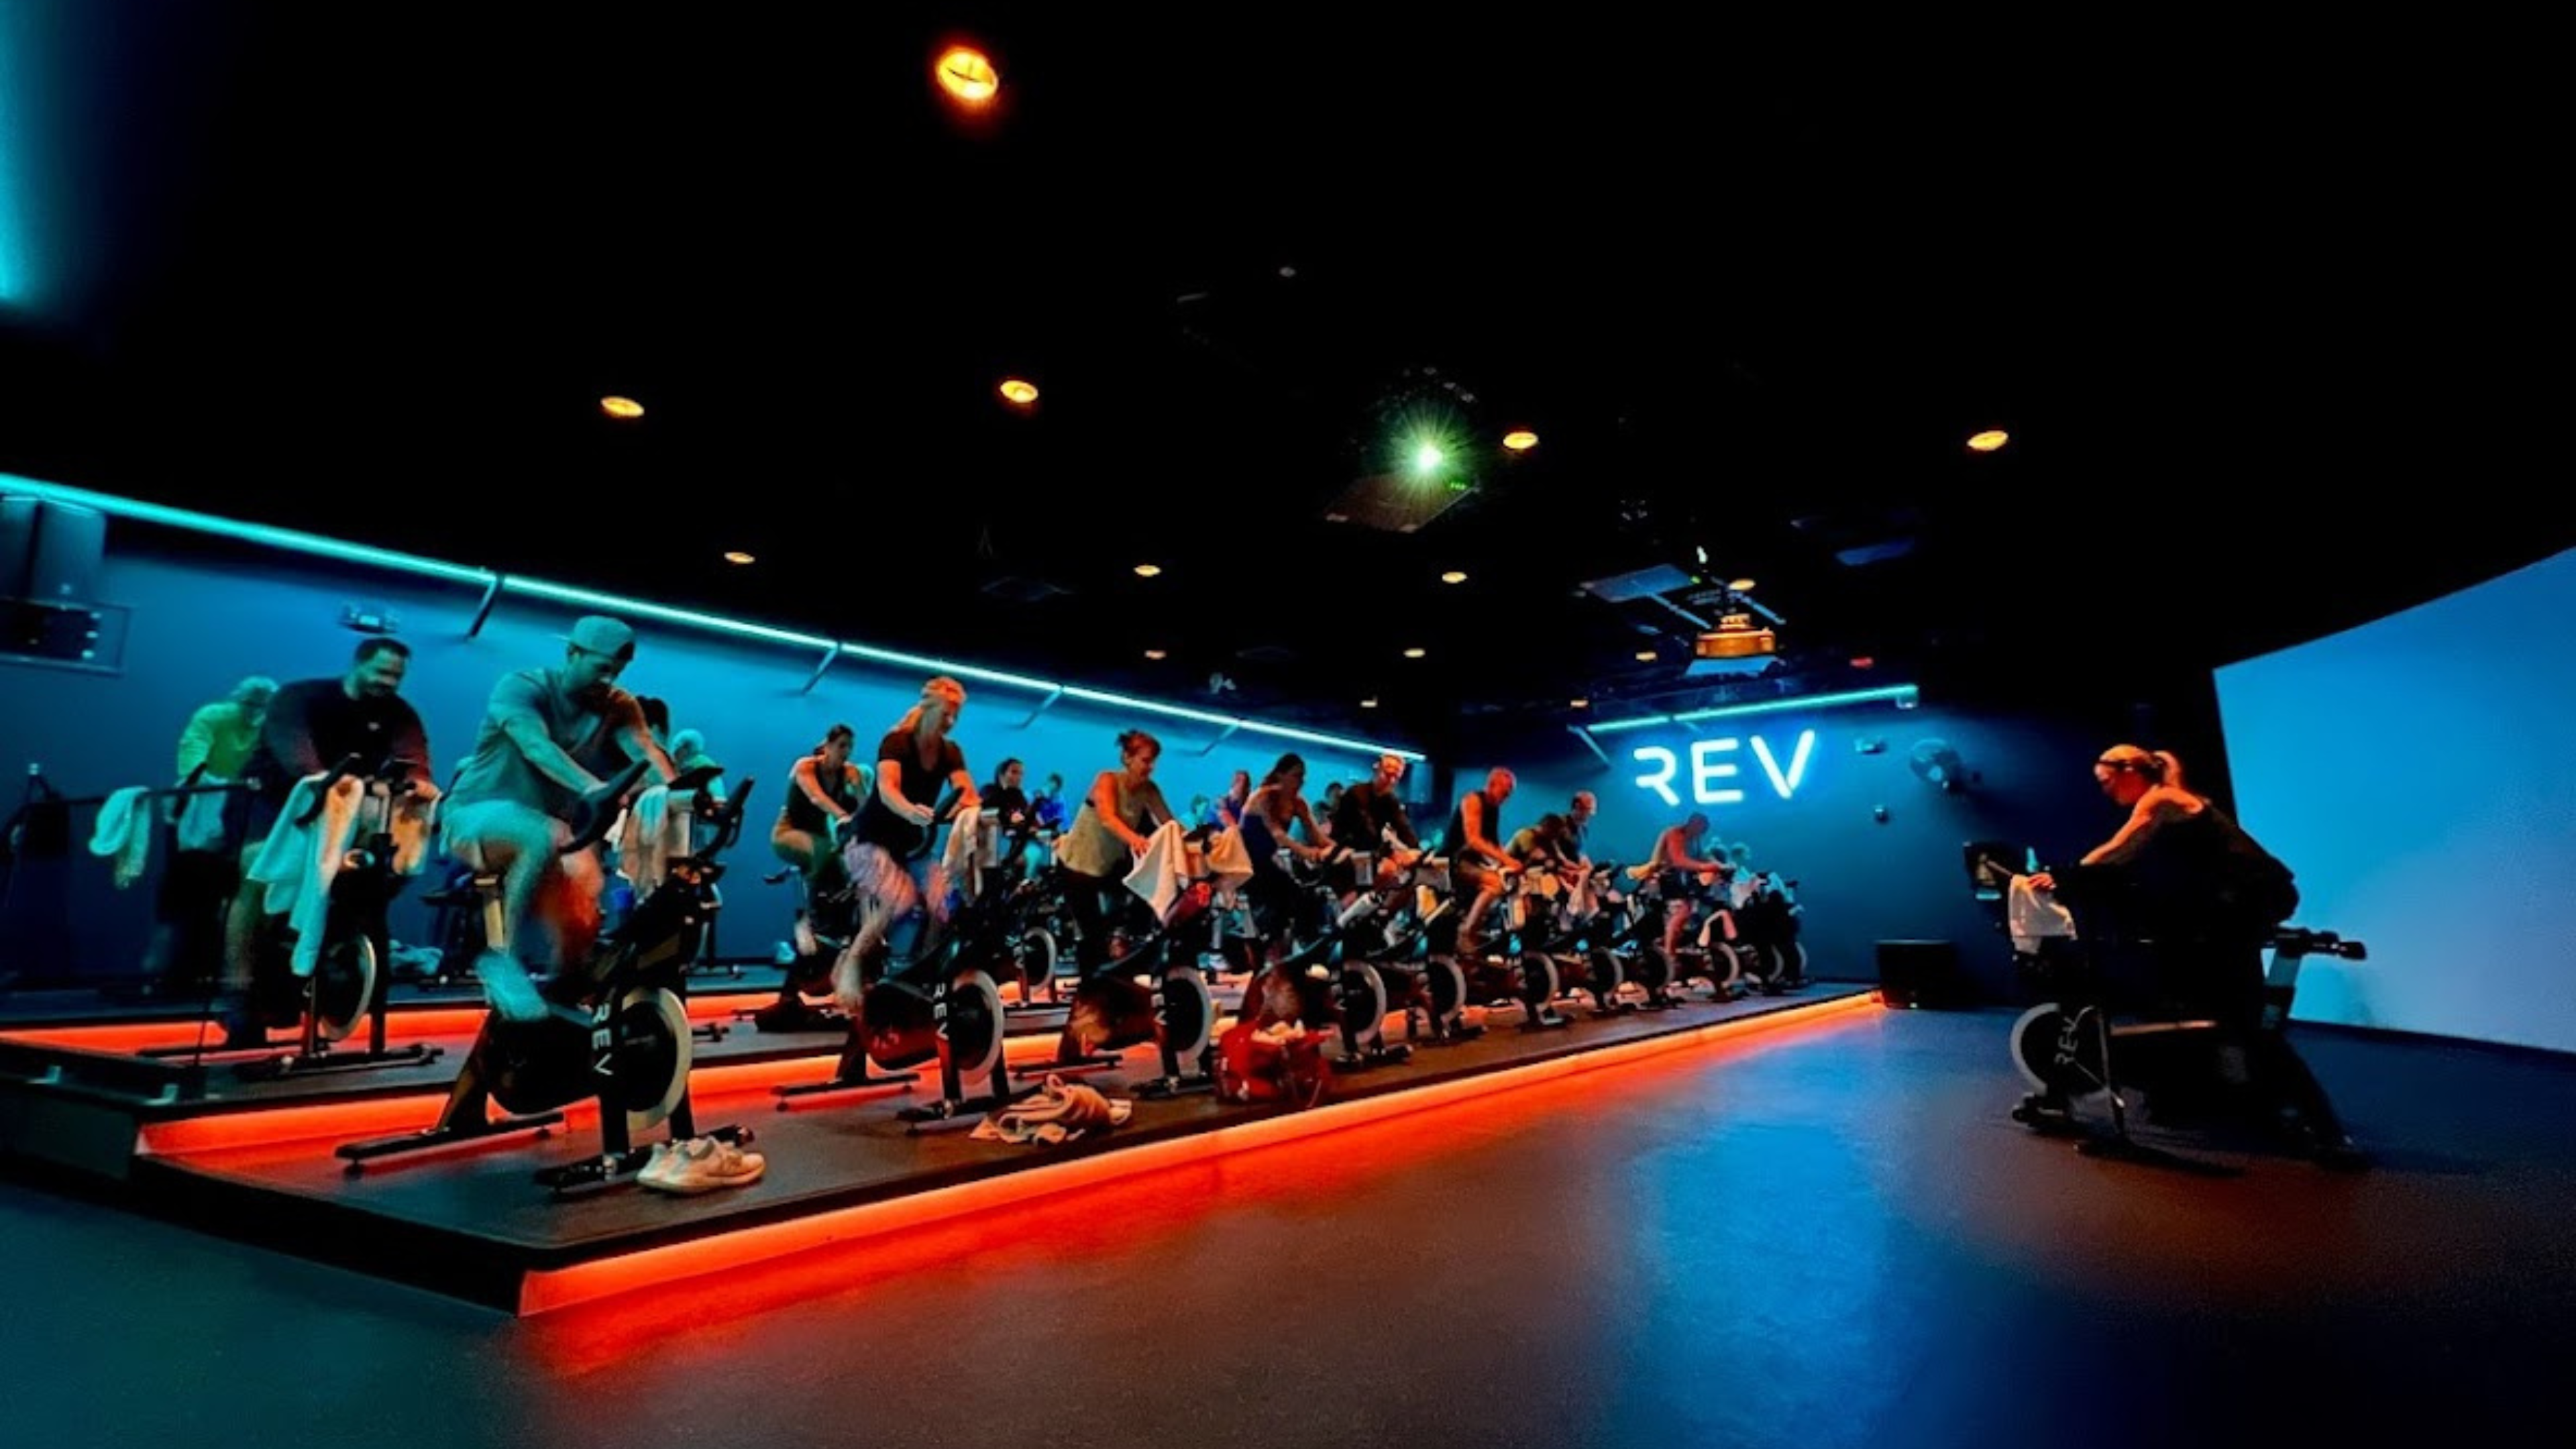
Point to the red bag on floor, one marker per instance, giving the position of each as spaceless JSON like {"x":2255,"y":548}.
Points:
{"x":1251,"y":1067}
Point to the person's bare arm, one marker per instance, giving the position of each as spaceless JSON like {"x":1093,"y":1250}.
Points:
{"x":969,"y":799}
{"x":1309,"y":849}
{"x":2156,"y":809}
{"x":1670,"y":855}
{"x":808,"y":778}
{"x":1478,"y":840}
{"x":636,"y":738}
{"x":514,"y":709}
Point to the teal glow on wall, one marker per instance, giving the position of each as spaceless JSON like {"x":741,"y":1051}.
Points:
{"x":317,"y":546}
{"x":17,"y":267}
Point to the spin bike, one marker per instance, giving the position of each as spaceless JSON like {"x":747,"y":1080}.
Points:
{"x":1570,"y":944}
{"x":1710,"y":948}
{"x":618,"y":1029}
{"x":1158,"y":990}
{"x":1530,"y":974}
{"x":1624,"y":930}
{"x":941,"y":1003}
{"x":1382,"y":945}
{"x":2067,"y":1048}
{"x":350,"y":972}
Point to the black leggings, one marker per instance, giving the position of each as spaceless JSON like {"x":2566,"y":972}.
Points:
{"x":1100,"y":904}
{"x":1284,"y":913}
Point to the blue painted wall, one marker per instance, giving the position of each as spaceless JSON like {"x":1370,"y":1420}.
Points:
{"x":203,"y":617}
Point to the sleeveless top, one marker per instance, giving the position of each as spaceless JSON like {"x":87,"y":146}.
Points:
{"x":1457,"y":836}
{"x":1093,"y":848}
{"x":802,"y":813}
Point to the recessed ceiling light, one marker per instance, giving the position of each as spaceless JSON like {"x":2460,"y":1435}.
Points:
{"x":1989,"y":440}
{"x":1454,"y":576}
{"x":1147,"y":571}
{"x":1645,"y":656}
{"x":737,"y":556}
{"x":1415,"y":653}
{"x":1520,"y":440}
{"x":1156,"y":654}
{"x":1019,"y":392}
{"x":1741,"y":586}
{"x":1368,"y":704}
{"x":622,"y":408}
{"x":1578,"y":704}
{"x":968,"y":74}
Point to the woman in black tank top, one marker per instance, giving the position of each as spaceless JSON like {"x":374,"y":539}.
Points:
{"x":823,"y":793}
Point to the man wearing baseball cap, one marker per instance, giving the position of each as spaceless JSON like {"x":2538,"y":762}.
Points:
{"x":546,"y":738}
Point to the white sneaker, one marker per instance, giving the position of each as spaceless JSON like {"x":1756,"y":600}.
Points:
{"x":703,"y":1164}
{"x":656,"y":1165}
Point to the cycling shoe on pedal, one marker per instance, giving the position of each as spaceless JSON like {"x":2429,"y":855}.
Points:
{"x":506,"y":984}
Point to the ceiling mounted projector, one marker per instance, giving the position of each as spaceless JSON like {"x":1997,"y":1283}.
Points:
{"x":1736,"y":646}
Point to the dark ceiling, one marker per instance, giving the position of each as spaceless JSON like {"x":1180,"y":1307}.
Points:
{"x":371,"y":274}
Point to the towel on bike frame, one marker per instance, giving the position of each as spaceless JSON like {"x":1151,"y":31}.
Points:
{"x":197,"y":821}
{"x":1228,"y":860}
{"x":1163,"y":869}
{"x":301,"y":857}
{"x":657,"y":828}
{"x":2030,"y":918}
{"x":124,"y":833}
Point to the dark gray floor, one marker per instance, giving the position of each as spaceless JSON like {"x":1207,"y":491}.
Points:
{"x":1826,"y":1238}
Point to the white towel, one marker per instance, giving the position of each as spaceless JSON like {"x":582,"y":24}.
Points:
{"x":658,"y":828}
{"x":302,"y":857}
{"x":198,"y":819}
{"x":2031,"y":918}
{"x":1163,"y":870}
{"x":124,"y":831}
{"x":1227,"y":859}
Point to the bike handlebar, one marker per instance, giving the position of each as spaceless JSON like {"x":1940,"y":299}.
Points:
{"x":2318,"y":943}
{"x":395,"y":774}
{"x":596,"y":810}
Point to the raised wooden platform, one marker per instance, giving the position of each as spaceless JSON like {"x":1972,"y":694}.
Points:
{"x":92,"y":1096}
{"x":472,"y":1222}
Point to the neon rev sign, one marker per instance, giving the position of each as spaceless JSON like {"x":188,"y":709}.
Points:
{"x":1714,"y":762}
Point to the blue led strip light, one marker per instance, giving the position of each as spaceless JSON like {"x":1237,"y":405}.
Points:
{"x":317,"y":546}
{"x":1902,"y":695}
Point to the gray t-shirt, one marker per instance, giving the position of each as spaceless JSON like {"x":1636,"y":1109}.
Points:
{"x":588,"y":731}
